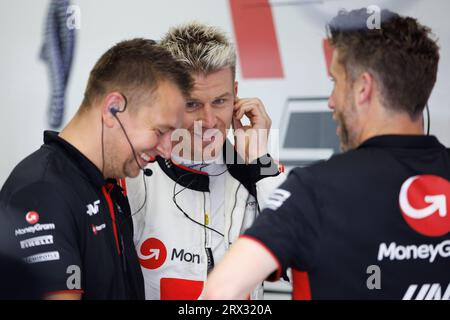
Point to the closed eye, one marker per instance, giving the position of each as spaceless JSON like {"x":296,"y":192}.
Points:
{"x":158,"y":132}
{"x":161,"y":131}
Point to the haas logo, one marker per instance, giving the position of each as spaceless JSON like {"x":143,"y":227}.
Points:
{"x":425,"y":204}
{"x":152,"y":253}
{"x":32,"y":217}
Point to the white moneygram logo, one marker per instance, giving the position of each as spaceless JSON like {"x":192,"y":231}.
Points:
{"x":424,"y":252}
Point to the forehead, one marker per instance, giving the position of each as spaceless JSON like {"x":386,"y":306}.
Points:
{"x":336,"y":67}
{"x":212,"y":84}
{"x":165,"y":108}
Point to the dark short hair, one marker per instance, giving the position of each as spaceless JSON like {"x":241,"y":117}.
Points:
{"x":135,"y":67}
{"x":401,"y":55}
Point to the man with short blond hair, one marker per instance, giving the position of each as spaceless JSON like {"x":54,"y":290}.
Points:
{"x":206,"y":198}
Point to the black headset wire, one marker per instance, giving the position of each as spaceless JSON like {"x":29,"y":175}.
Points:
{"x":103,"y":151}
{"x":428,"y":119}
{"x":124,"y":131}
{"x":103,"y":175}
{"x":211,"y":175}
{"x":114,"y":113}
{"x":174,"y":198}
{"x":176,"y":182}
{"x":135,"y":158}
{"x":234,"y":207}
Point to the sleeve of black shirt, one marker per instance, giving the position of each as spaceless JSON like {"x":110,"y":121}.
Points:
{"x":289,"y":225}
{"x":49,"y":245}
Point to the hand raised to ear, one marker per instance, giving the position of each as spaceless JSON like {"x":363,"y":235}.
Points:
{"x":251,"y":140}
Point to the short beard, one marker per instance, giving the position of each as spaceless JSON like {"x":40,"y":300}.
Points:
{"x":347,"y":137}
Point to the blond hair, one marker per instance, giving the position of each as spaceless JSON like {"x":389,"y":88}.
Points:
{"x":201,"y":48}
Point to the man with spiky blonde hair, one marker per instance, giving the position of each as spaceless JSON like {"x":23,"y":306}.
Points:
{"x":201,"y":48}
{"x":210,"y":191}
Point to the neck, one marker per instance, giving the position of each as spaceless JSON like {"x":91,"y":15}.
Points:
{"x":393,"y":123}
{"x":85,"y":135}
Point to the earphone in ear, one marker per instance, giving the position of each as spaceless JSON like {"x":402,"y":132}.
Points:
{"x":113,"y":109}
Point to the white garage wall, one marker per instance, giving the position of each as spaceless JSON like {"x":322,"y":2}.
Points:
{"x":24,"y":81}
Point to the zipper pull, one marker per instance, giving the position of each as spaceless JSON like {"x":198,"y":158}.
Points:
{"x":206,"y":219}
{"x":210,"y":258}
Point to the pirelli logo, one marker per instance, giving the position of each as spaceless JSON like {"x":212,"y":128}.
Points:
{"x":36,"y":242}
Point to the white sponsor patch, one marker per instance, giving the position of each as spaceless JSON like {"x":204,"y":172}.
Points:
{"x":427,"y":291}
{"x":36,"y":242}
{"x":92,"y":209}
{"x":100,"y":227}
{"x":424,"y":252}
{"x":96,"y":229}
{"x":42,"y":257}
{"x":36,"y":228}
{"x":277,"y":198}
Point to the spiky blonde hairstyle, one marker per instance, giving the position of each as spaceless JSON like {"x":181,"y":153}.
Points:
{"x":201,"y":48}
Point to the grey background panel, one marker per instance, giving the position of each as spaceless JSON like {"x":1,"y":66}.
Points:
{"x":311,"y":130}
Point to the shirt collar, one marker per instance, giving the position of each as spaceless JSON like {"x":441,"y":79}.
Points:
{"x":51,"y":138}
{"x":194,"y":163}
{"x":193,"y":178}
{"x":197,"y":180}
{"x":403,"y":142}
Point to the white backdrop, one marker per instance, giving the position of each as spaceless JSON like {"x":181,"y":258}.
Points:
{"x":24,"y":81}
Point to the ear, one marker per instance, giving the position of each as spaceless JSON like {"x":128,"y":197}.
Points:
{"x":113,"y":100}
{"x":236,"y":88}
{"x":364,"y":88}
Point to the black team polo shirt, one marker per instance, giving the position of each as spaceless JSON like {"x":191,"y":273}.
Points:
{"x":70,"y":225}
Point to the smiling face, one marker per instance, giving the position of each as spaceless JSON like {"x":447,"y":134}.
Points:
{"x":209,"y":110}
{"x":149,"y":131}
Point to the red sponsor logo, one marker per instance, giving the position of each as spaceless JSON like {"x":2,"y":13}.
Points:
{"x":180,"y":289}
{"x":425,"y":204}
{"x":94,"y":229}
{"x":152,"y":253}
{"x":32,"y":217}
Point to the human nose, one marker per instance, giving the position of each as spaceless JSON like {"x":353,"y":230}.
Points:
{"x":164,"y":147}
